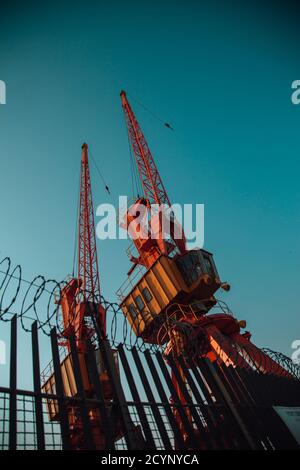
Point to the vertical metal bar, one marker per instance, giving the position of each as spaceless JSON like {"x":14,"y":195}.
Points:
{"x":253,"y":389}
{"x":99,"y":393}
{"x":4,"y":421}
{"x":167,"y":406}
{"x":13,"y":385}
{"x":153,"y":405}
{"x":190,"y":404}
{"x":230,"y":383}
{"x":181,"y":409}
{"x":247,"y":391}
{"x":211,"y":393}
{"x":243,"y":403}
{"x":37,"y":388}
{"x":63,"y":414}
{"x":205,"y":410}
{"x":253,"y":381}
{"x":88,"y":437}
{"x":254,"y":413}
{"x":133,"y":439}
{"x":225,"y":420}
{"x":230,"y":405}
{"x":136,"y":398}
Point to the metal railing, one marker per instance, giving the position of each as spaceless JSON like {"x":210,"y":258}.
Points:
{"x":223,"y":408}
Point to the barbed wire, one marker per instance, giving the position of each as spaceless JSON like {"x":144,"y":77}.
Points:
{"x":39,"y":300}
{"x":284,"y":361}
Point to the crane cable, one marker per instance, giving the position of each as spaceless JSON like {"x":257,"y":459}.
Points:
{"x":166,"y":124}
{"x":99,"y":172}
{"x":135,"y":181}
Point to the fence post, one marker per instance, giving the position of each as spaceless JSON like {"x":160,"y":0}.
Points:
{"x":136,"y":398}
{"x":88,"y":438}
{"x":37,"y":388}
{"x":193,"y":441}
{"x":63,"y":415}
{"x":206,"y":411}
{"x":13,"y":385}
{"x":99,"y":393}
{"x":167,"y":406}
{"x":230,"y":405}
{"x":154,"y":407}
{"x":133,"y":440}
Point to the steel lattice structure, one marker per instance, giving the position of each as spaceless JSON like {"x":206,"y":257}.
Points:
{"x":152,"y":184}
{"x":88,"y":271}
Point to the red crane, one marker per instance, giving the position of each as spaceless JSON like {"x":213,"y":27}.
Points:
{"x":82,"y":313}
{"x":152,"y":184}
{"x":80,"y":299}
{"x":192,"y":278}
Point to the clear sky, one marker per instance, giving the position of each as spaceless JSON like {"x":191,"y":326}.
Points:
{"x":221,"y":75}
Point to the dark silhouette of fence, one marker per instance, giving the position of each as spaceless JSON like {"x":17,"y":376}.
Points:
{"x":224,"y":407}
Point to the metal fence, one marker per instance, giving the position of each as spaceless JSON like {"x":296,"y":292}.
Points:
{"x":223,"y":408}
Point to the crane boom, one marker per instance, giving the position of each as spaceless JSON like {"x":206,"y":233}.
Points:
{"x":80,"y":299}
{"x":88,"y":271}
{"x":152,"y":184}
{"x":150,"y":247}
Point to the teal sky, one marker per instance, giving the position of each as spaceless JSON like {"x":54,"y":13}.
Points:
{"x":221,"y":75}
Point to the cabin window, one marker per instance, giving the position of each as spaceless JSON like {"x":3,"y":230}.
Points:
{"x":133,"y":311}
{"x":147,"y":294}
{"x":208,"y":265}
{"x":140,"y":303}
{"x":190,"y":266}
